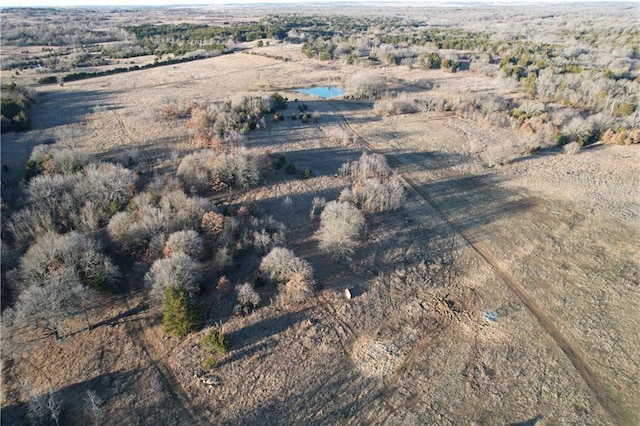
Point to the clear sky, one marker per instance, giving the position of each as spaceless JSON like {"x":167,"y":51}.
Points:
{"x":62,"y":3}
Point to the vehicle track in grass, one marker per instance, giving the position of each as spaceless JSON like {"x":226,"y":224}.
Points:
{"x":136,"y":333}
{"x":170,"y":383}
{"x":568,"y":347}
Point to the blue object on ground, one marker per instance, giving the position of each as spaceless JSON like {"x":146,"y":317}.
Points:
{"x":324,"y":92}
{"x":490,"y":315}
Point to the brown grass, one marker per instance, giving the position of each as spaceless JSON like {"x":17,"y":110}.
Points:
{"x":411,"y":346}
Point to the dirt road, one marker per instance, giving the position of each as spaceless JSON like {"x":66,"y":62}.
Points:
{"x":459,"y":183}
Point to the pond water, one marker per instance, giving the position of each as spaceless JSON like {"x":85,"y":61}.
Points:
{"x":324,"y":92}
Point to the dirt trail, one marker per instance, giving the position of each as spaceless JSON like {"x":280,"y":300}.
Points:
{"x":155,"y":361}
{"x":570,"y":348}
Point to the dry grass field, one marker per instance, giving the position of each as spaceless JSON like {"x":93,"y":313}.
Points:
{"x":546,"y":241}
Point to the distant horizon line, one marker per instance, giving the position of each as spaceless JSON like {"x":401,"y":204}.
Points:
{"x":27,"y":4}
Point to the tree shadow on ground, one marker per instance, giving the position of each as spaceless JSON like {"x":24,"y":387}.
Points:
{"x":475,"y":201}
{"x":122,"y":317}
{"x":68,"y":106}
{"x":115,"y":392}
{"x":327,"y":397}
{"x":259,"y":336}
{"x":531,"y":422}
{"x":423,"y":161}
{"x":72,"y":398}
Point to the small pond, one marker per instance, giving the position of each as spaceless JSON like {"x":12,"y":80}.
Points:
{"x":324,"y":92}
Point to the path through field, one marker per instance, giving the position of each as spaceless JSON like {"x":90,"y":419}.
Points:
{"x":461,"y":219}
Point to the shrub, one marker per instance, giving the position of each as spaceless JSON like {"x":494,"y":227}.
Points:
{"x":180,"y":315}
{"x":281,"y":161}
{"x":395,"y":106}
{"x":290,"y":169}
{"x":214,"y":342}
{"x":83,"y":200}
{"x":150,"y":215}
{"x":200,"y":117}
{"x":172,"y":110}
{"x":15,"y":101}
{"x":212,"y":224}
{"x":58,"y":160}
{"x":341,"y":224}
{"x":625,"y":109}
{"x":188,"y":242}
{"x":79,"y":255}
{"x":339,"y":135}
{"x":572,"y":148}
{"x":365,"y":86}
{"x":430,"y":60}
{"x":248,"y":298}
{"x":578,"y":130}
{"x":450,"y":64}
{"x":179,"y":271}
{"x":52,"y":79}
{"x":367,"y":166}
{"x":292,"y":275}
{"x":375,"y":195}
{"x":298,"y":288}
{"x":622,"y":137}
{"x":278,"y":102}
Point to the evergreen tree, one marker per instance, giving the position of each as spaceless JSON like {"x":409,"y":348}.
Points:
{"x":180,"y":315}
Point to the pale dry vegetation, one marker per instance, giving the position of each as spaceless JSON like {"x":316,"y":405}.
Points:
{"x":375,"y":188}
{"x":186,"y":239}
{"x":341,"y":225}
{"x":292,"y":275}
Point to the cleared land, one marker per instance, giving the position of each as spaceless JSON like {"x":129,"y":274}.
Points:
{"x":547,"y":241}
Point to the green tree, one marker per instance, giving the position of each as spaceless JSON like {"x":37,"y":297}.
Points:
{"x":215,"y":342}
{"x":180,"y":315}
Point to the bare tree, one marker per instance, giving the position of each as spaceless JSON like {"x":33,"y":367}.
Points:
{"x":93,"y":405}
{"x":188,"y":242}
{"x":341,"y":223}
{"x":179,"y":271}
{"x":293,"y":275}
{"x":71,"y":253}
{"x":374,"y":195}
{"x":248,"y":298}
{"x":37,"y":409}
{"x":54,"y":405}
{"x":150,"y":215}
{"x":375,"y":187}
{"x":46,"y":307}
{"x":367,"y":166}
{"x":365,"y":85}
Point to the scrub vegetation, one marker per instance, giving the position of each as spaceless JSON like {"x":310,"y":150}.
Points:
{"x":187,"y":238}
